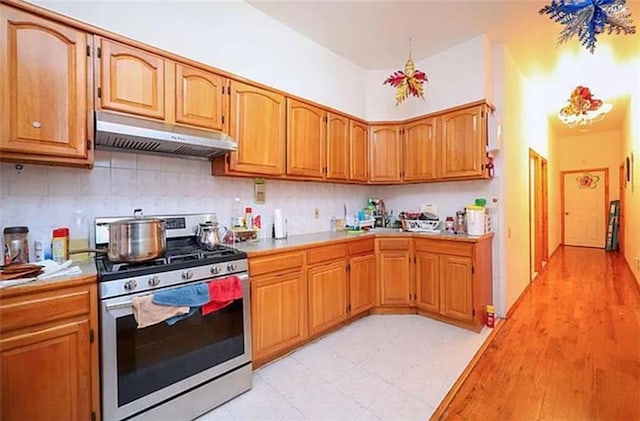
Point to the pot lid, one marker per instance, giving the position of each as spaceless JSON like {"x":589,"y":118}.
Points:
{"x":138,"y":218}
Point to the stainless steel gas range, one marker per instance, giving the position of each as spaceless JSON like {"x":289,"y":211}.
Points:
{"x":179,"y":371}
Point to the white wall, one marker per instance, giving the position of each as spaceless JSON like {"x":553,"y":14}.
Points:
{"x":232,"y":36}
{"x":44,"y":198}
{"x":456,"y":76}
{"x":592,"y":150}
{"x":631,"y":145}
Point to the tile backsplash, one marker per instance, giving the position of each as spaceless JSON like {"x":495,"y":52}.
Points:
{"x":46,"y":197}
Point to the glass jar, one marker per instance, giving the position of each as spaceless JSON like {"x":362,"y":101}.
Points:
{"x":16,"y":245}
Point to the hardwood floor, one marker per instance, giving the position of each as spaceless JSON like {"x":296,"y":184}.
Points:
{"x":570,"y":351}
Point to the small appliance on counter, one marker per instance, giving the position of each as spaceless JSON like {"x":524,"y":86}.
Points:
{"x":475,"y":220}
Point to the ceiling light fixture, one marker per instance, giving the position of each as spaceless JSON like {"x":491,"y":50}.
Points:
{"x":583,"y":109}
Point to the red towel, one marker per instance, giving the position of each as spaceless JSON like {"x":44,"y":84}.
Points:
{"x":222,"y":292}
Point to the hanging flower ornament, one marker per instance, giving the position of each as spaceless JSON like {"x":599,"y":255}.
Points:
{"x":407,"y":82}
{"x":586,"y":19}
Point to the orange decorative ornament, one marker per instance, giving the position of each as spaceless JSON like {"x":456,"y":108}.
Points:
{"x":407,"y":82}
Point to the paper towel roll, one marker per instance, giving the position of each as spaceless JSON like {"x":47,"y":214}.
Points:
{"x":278,"y":221}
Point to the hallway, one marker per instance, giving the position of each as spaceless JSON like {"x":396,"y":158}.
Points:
{"x":570,"y":350}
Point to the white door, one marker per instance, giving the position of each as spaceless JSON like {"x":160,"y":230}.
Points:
{"x":584,"y":209}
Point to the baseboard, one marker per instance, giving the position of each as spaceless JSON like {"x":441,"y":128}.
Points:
{"x":440,"y":411}
{"x":519,"y":300}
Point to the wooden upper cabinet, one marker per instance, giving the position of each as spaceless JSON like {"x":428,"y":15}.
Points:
{"x":420,"y":150}
{"x":306,"y":131}
{"x":359,"y":147}
{"x":257,"y":121}
{"x":337,"y":147}
{"x":131,"y":80}
{"x":200,"y":98}
{"x":385,"y":153}
{"x":43,"y":87}
{"x":463,"y":142}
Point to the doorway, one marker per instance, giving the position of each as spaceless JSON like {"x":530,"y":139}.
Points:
{"x":538,"y":213}
{"x":584,"y":204}
{"x":623,"y":184}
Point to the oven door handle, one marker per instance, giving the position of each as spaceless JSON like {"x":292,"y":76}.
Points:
{"x":122,"y":304}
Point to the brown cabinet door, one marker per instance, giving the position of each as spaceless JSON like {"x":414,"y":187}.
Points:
{"x":131,"y":80}
{"x":463,"y":143}
{"x":306,"y":132}
{"x":200,"y":98}
{"x":362,"y":283}
{"x":359,"y":156}
{"x":385,"y":152}
{"x":45,"y":375}
{"x":278,"y":312}
{"x":456,"y":289}
{"x":258,"y":123}
{"x":427,"y":281}
{"x":337,"y":147}
{"x":420,"y":150}
{"x":328,"y":291}
{"x":43,"y":86}
{"x":394,"y":275}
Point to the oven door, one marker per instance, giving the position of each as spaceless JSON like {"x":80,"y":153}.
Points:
{"x":144,"y":367}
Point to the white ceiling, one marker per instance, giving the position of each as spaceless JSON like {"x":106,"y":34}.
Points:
{"x":374,"y":34}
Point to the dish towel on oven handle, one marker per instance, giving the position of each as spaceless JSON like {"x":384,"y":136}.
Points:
{"x":147,"y":313}
{"x":193,"y":296}
{"x":222,"y":293}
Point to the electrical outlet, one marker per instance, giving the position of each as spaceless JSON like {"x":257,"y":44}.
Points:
{"x":316,"y":213}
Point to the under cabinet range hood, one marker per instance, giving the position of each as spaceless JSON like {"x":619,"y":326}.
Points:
{"x":117,"y":131}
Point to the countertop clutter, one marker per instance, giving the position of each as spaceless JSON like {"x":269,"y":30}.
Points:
{"x":267,"y":246}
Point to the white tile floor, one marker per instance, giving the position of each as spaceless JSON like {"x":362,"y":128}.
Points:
{"x":377,"y":368}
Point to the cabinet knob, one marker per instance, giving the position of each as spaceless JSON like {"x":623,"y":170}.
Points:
{"x":36,"y":124}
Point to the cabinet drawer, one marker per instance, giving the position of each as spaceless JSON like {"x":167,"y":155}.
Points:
{"x":326,"y":253}
{"x":44,"y":308}
{"x":275,"y":263}
{"x":394,"y":244}
{"x":361,"y":246}
{"x":455,"y":248}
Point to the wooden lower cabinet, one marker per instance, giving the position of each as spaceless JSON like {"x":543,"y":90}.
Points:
{"x":454,"y":280}
{"x":328,"y":290}
{"x":427,"y":281}
{"x":278,"y":313}
{"x":49,"y":355}
{"x":362,"y":284}
{"x":394,"y":272}
{"x":456,"y":292}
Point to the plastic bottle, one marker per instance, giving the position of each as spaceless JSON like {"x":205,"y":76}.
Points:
{"x":236,"y":213}
{"x":79,"y":236}
{"x":491,"y":316}
{"x":248,"y":218}
{"x":60,"y":245}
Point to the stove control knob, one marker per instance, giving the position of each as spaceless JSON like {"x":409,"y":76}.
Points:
{"x":130,"y":285}
{"x":187,"y":274}
{"x":154,"y":281}
{"x":215,"y":270}
{"x":231,"y":267}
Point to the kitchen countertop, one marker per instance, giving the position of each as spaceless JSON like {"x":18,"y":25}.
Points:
{"x":268,"y":246}
{"x":88,"y":275}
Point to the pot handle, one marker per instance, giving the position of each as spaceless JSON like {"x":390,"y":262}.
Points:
{"x":137,"y":214}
